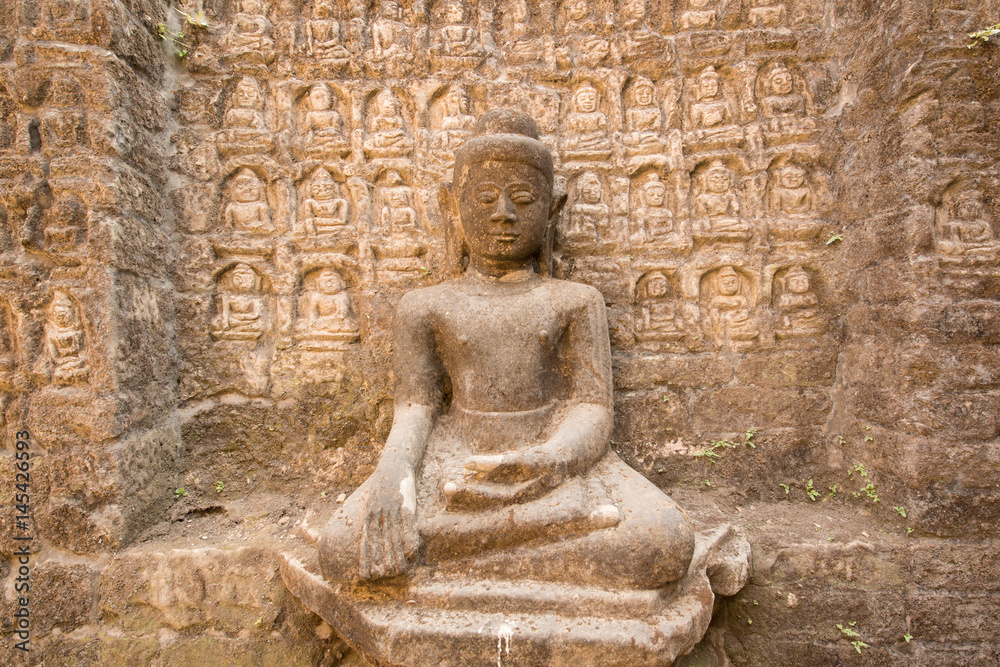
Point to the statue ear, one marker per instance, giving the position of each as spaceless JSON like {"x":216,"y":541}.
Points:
{"x":557,"y":206}
{"x":545,"y":259}
{"x":454,"y":236}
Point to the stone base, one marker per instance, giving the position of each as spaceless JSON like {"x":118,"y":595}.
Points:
{"x":434,"y":620}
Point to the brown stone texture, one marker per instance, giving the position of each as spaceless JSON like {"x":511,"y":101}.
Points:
{"x":789,"y":207}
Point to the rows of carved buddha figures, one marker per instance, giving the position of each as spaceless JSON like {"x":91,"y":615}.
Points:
{"x":750,"y":108}
{"x":394,"y":38}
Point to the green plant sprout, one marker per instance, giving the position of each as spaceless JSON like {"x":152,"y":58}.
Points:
{"x":179,"y":493}
{"x":982,"y":36}
{"x":199,"y":20}
{"x":833,"y":490}
{"x":174,"y":37}
{"x":834,"y":238}
{"x":786,"y":488}
{"x":900,"y":510}
{"x":748,"y":438}
{"x":811,"y":491}
{"x":219,"y":486}
{"x":852,"y":635}
{"x":907,"y":637}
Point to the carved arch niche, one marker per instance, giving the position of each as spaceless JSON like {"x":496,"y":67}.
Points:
{"x":326,"y":318}
{"x":660,"y":315}
{"x":794,"y":297}
{"x":323,"y":123}
{"x":728,"y":298}
{"x":327,"y":210}
{"x":247,"y":202}
{"x":243,"y":308}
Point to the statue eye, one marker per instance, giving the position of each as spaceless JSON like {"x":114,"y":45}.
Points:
{"x":487,"y":196}
{"x":523,"y":197}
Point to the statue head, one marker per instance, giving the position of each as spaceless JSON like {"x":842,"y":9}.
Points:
{"x":585,"y":98}
{"x":247,"y":95}
{"x":502,"y":193}
{"x":797,"y":280}
{"x":391,"y":9}
{"x":654,"y":192}
{"x":63,"y":310}
{"x":387,"y":103}
{"x":454,"y":12}
{"x":320,"y":97}
{"x":577,"y":10}
{"x":246,"y":186}
{"x":718,"y":178}
{"x":643,"y":92}
{"x":457,"y":101}
{"x":322,"y":186}
{"x":634,"y":10}
{"x":727,"y":281}
{"x":781,"y":80}
{"x":969,"y":206}
{"x":590,"y":188}
{"x":792,"y":176}
{"x":329,"y":281}
{"x":242,"y":278}
{"x":323,"y":9}
{"x":708,"y":84}
{"x":656,"y":286}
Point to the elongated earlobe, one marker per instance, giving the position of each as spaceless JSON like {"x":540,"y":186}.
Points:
{"x":456,"y":249}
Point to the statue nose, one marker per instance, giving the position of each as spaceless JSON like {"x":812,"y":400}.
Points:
{"x":504,"y":211}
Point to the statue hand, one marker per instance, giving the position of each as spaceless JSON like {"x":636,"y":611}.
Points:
{"x":535,"y":463}
{"x":388,"y":532}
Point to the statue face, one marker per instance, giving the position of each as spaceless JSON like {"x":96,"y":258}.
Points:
{"x":657,"y":287}
{"x":388,"y":106}
{"x":635,"y":9}
{"x":798,"y":283}
{"x":718,"y":181}
{"x":390,"y":8}
{"x":591,"y":191}
{"x":729,"y":284}
{"x":328,"y":282}
{"x":319,"y":98}
{"x":708,"y":87}
{"x":246,"y":95}
{"x":577,"y":9}
{"x":397,"y":199}
{"x":322,"y":188}
{"x":246,"y":189}
{"x":781,"y":82}
{"x":324,"y":9}
{"x":586,"y":100}
{"x":454,"y":13}
{"x":243,"y":278}
{"x":64,"y":315}
{"x":970,"y":209}
{"x":643,"y":95}
{"x":504,"y":208}
{"x":655,"y":197}
{"x":793,"y":177}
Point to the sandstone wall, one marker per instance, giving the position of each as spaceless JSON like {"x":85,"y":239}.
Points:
{"x":209,"y":211}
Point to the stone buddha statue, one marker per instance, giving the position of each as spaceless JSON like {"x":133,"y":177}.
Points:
{"x":497,"y":508}
{"x":323,"y":35}
{"x":643,"y":120}
{"x":64,"y":341}
{"x":523,"y":441}
{"x":324,"y":126}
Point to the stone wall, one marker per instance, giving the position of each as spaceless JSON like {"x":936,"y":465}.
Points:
{"x":210,"y":209}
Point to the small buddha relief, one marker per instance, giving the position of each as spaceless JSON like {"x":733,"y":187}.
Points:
{"x":658,"y":318}
{"x":400,"y":240}
{"x":710,"y":115}
{"x":241,"y":311}
{"x":325,"y":212}
{"x":654,"y":225}
{"x":388,"y":135}
{"x":455,"y":42}
{"x":391,"y":39}
{"x":65,"y":226}
{"x":61,"y":15}
{"x":63,"y":122}
{"x":585,"y":133}
{"x":583,"y":42}
{"x":767,"y":14}
{"x":325,"y":40}
{"x":639,"y":42}
{"x":643,"y":120}
{"x":964,"y":225}
{"x":784,"y":105}
{"x":243,"y":129}
{"x":247,"y":211}
{"x":791,"y":205}
{"x":796,"y":305}
{"x":249,"y":37}
{"x":64,"y":361}
{"x":322,"y":133}
{"x":524,"y":42}
{"x":728,"y":297}
{"x":326,"y":319}
{"x":699,"y":15}
{"x":716,"y":206}
{"x":451,"y":125}
{"x":588,"y":221}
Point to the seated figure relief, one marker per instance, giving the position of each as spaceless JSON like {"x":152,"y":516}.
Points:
{"x":324,"y":126}
{"x":643,"y":120}
{"x":455,"y":127}
{"x":390,"y":36}
{"x":587,"y":225}
{"x":522,"y":46}
{"x":456,"y":42}
{"x":965,"y":226}
{"x":783,"y":108}
{"x":324,"y":39}
{"x":767,"y":14}
{"x":791,"y":206}
{"x":699,"y":15}
{"x":249,"y":35}
{"x":729,"y":320}
{"x":584,"y":45}
{"x":325,"y":212}
{"x":243,"y":129}
{"x":797,"y":306}
{"x":716,"y":206}
{"x":658,"y":319}
{"x":326,"y":318}
{"x":710,"y":118}
{"x":240,"y":305}
{"x":497,"y":482}
{"x":387,"y":133}
{"x":400,"y":238}
{"x":248,"y":211}
{"x":639,"y":41}
{"x":585,"y":135}
{"x":653,"y":218}
{"x":65,"y":362}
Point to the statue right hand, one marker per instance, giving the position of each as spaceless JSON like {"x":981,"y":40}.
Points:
{"x":388,"y":531}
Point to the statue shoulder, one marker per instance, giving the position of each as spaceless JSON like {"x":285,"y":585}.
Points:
{"x":425,"y":300}
{"x":575,"y":295}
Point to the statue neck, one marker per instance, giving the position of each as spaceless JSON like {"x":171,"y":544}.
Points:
{"x":501,"y":270}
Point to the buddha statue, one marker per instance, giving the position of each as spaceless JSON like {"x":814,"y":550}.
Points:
{"x":658,"y":319}
{"x":798,"y":307}
{"x":729,"y":311}
{"x":586,"y":129}
{"x":497,"y":508}
{"x":248,"y":211}
{"x":323,"y":36}
{"x":243,"y":129}
{"x":457,"y":123}
{"x":65,"y":343}
{"x":521,"y":45}
{"x":326,"y":314}
{"x":698,"y":15}
{"x":240,"y":305}
{"x":523,"y":441}
{"x":716,"y":207}
{"x":709,"y":116}
{"x":655,"y":220}
{"x":643,"y":120}
{"x":588,"y":215}
{"x":390,"y":36}
{"x":325,"y":212}
{"x":456,"y":38}
{"x":783,"y":108}
{"x":639,"y":41}
{"x":324,"y":126}
{"x":250,"y":30}
{"x":791,"y":196}
{"x":387,"y":135}
{"x":967,"y":227}
{"x":587,"y":47}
